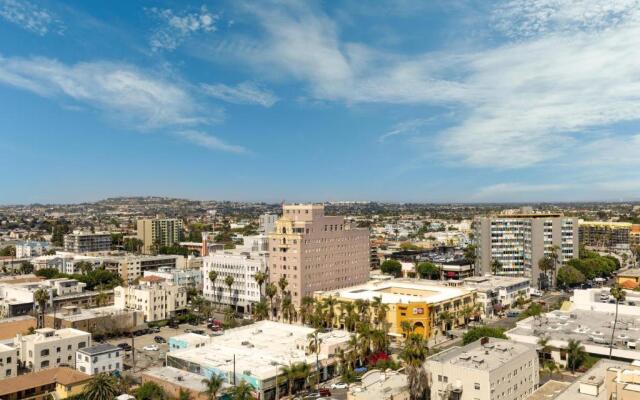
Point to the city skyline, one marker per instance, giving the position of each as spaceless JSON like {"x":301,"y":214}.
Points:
{"x":463,"y":102}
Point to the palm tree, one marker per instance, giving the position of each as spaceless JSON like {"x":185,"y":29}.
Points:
{"x":184,"y":395}
{"x":330,"y":304}
{"x":282,"y":284}
{"x":101,"y":387}
{"x":619,"y":295}
{"x":212,"y":386}
{"x":288,"y":308}
{"x":260,"y":277}
{"x":314,"y":346}
{"x":290,"y":373}
{"x":261,"y":311}
{"x":306,"y":308}
{"x":242,"y":391}
{"x":496,"y":266}
{"x":271,"y":290}
{"x":575,"y":354}
{"x":228,"y":280}
{"x":545,"y":264}
{"x":406,"y":328}
{"x":543,"y":342}
{"x":413,"y":354}
{"x":41,"y":296}
{"x":551,"y":367}
{"x":467,"y":311}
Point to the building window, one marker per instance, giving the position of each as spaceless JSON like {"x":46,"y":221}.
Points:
{"x":44,"y":364}
{"x":44,"y":352}
{"x":476,"y":386}
{"x":8,"y":372}
{"x":82,"y":345}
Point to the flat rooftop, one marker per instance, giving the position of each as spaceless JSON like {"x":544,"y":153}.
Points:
{"x":258,"y":348}
{"x":90,"y":313}
{"x":41,"y":334}
{"x":493,"y":282}
{"x":400,"y":291}
{"x":99,"y":349}
{"x":599,"y":370}
{"x":384,"y":386}
{"x":179,"y":377}
{"x":489,"y":356}
{"x":549,"y":390}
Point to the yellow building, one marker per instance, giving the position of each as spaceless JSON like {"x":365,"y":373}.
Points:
{"x":429,"y":307}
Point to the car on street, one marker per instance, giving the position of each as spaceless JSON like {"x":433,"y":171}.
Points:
{"x":159,"y":339}
{"x":339,"y":385}
{"x":150,"y":347}
{"x":125,"y":346}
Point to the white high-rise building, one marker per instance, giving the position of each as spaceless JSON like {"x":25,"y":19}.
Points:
{"x":242,"y":264}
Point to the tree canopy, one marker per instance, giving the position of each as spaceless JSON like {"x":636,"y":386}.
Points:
{"x":391,"y":267}
{"x":569,"y":276}
{"x":479,"y":332}
{"x":428,"y":270}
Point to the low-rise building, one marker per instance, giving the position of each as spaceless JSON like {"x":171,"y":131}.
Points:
{"x":496,"y":293}
{"x":456,"y":271}
{"x":87,"y":242}
{"x":188,"y":341}
{"x":157,"y":299}
{"x":182,"y":277}
{"x":174,"y":380}
{"x":49,"y":348}
{"x":8,"y":361}
{"x":100,"y":358}
{"x":628,"y":278}
{"x":380,"y":385}
{"x":97,"y":321}
{"x":31,"y":248}
{"x":418,"y":302}
{"x":57,"y":383}
{"x":257,"y":352}
{"x":484,"y":370}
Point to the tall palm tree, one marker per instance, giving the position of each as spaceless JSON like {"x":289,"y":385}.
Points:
{"x":467,"y":311}
{"x":406,"y":327}
{"x":575,"y":354}
{"x":228,"y":280}
{"x":212,"y":386}
{"x":271,"y":290}
{"x":260,"y":278}
{"x":101,"y":387}
{"x":282,"y":284}
{"x":413,"y":354}
{"x":330,"y":304}
{"x":550,"y":367}
{"x":242,"y":391}
{"x":496,"y":267}
{"x":289,"y":372}
{"x":315,"y":344}
{"x":306,"y":309}
{"x":288,"y":309}
{"x":619,"y":295}
{"x":543,"y":342}
{"x":41,"y":296}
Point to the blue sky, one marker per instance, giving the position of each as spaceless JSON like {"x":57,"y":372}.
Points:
{"x":428,"y":101}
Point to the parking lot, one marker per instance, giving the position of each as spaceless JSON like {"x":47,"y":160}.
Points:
{"x":146,"y":359}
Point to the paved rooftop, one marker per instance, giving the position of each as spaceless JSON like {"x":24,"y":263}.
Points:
{"x":400,"y":291}
{"x":597,"y":372}
{"x":549,"y":390}
{"x":99,"y":349}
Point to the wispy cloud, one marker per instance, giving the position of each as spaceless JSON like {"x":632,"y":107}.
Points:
{"x":138,"y":98}
{"x":175,"y":27}
{"x":210,"y":142}
{"x":30,"y":17}
{"x":243,"y":93}
{"x":412,"y":126}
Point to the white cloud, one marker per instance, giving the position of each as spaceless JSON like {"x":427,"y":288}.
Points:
{"x":405,"y":127}
{"x":139,"y":98}
{"x":520,"y":104}
{"x":243,"y":93}
{"x":123,"y":92}
{"x":210,"y":142}
{"x":176,"y":27}
{"x":30,"y":16}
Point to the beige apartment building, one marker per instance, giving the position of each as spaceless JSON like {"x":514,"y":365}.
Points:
{"x":158,"y":232}
{"x":487,"y":369}
{"x":49,"y":348}
{"x":154,"y":297}
{"x":317,"y":252}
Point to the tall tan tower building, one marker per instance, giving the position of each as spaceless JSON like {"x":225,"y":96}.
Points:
{"x":317,"y":252}
{"x":160,"y":231}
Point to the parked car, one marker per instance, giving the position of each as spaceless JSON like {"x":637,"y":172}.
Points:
{"x":324,"y":392}
{"x":198,"y":331}
{"x":159,"y":339}
{"x":339,"y":385}
{"x":512,"y":313}
{"x":125,"y":346}
{"x":173,"y":324}
{"x":150,"y":347}
{"x":155,"y":330}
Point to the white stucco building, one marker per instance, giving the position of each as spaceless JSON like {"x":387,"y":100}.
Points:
{"x":31,"y":249}
{"x":48,"y":348}
{"x":181,"y":277}
{"x":100,"y":358}
{"x":156,"y":298}
{"x":242,"y":264}
{"x":8,"y":361}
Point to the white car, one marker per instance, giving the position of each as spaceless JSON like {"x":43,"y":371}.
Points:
{"x":151,"y":347}
{"x":339,"y":386}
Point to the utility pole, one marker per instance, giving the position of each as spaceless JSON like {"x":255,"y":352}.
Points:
{"x":133,"y":353}
{"x":234,"y":370}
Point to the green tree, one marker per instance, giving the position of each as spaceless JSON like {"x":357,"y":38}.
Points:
{"x":229,"y":281}
{"x":260,"y":311}
{"x":496,"y":267}
{"x":575,"y":354}
{"x":271,"y":291}
{"x":413,"y":354}
{"x":546,"y":264}
{"x":428,"y":270}
{"x":26,"y":267}
{"x":470,"y":254}
{"x":184,"y":395}
{"x":41,"y":297}
{"x":551,"y":367}
{"x":101,"y":387}
{"x":391,"y":267}
{"x":213,"y":385}
{"x":479,"y":332}
{"x":8,"y":251}
{"x":150,"y":391}
{"x":243,"y":391}
{"x":260,"y":278}
{"x":569,"y":276}
{"x":619,"y":295}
